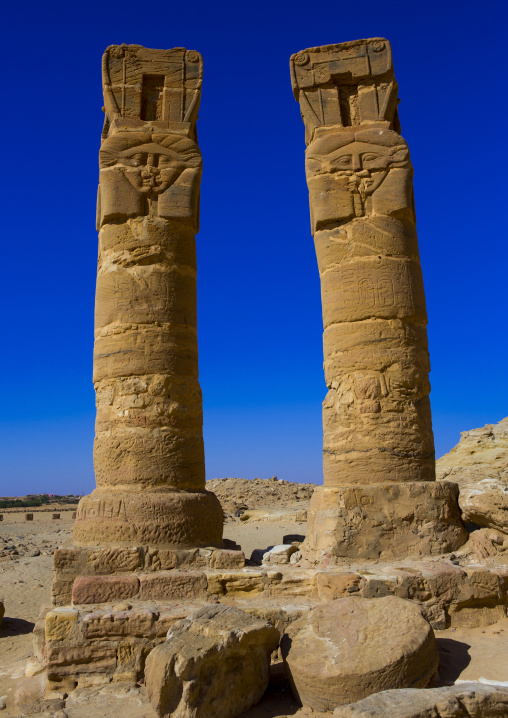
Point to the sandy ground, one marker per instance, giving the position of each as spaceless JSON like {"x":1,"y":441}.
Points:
{"x":25,"y":579}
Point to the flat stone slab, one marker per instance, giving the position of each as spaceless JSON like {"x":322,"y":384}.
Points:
{"x":353,"y":647}
{"x":460,"y":701}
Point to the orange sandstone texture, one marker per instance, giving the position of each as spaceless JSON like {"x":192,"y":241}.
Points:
{"x":148,"y":455}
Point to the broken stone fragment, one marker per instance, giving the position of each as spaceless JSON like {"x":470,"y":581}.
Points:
{"x":462,"y":701}
{"x":214,"y":664}
{"x":347,"y":649}
{"x":279,"y":554}
{"x":479,"y":465}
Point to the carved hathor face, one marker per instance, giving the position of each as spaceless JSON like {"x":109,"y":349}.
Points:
{"x":150,"y":163}
{"x":358,"y":161}
{"x":346,"y":173}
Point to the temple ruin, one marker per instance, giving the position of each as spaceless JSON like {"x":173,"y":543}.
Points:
{"x":148,"y":456}
{"x":379,"y":488}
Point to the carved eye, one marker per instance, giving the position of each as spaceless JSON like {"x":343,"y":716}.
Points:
{"x":370,"y":157}
{"x":342,"y":162}
{"x":165,"y":161}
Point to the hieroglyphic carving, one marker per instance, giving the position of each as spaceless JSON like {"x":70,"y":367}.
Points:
{"x":148,"y":453}
{"x":376,"y":416}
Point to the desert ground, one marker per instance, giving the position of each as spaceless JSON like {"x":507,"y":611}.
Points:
{"x":258,"y":514}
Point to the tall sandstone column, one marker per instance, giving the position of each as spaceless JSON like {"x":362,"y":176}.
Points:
{"x":379,"y":496}
{"x":148,"y":455}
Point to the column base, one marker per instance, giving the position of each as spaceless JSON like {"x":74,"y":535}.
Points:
{"x":169,"y":519}
{"x":383,"y":521}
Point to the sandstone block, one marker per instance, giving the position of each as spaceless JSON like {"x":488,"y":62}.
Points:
{"x":235,"y":583}
{"x":332,"y":586}
{"x":61,"y":591}
{"x":299,"y":582}
{"x":215,"y":664}
{"x":63,"y":660}
{"x":59,"y":623}
{"x":172,"y":585}
{"x":102,"y":589}
{"x":352,"y":647}
{"x":386,"y":521}
{"x":460,"y":701}
{"x":227,"y":558}
{"x":118,"y":623}
{"x":65,"y":559}
{"x":113,"y":560}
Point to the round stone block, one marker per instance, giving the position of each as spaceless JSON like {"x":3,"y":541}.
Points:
{"x":350,"y":648}
{"x":168,"y":519}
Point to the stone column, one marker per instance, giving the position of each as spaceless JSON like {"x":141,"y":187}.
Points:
{"x":379,"y":496}
{"x":148,"y":455}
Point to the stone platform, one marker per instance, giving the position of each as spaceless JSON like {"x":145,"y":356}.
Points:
{"x":113,"y":620}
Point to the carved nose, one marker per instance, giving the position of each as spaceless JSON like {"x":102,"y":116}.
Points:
{"x":357,"y":165}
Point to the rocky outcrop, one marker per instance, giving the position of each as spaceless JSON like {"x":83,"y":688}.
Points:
{"x":352,"y":647}
{"x":479,"y":465}
{"x":461,"y":701}
{"x":213,"y":664}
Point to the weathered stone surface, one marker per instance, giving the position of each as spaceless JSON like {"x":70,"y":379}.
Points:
{"x":101,"y":624}
{"x":213,"y":664}
{"x":171,"y":585}
{"x":460,"y":701}
{"x":68,"y":660}
{"x":332,"y":585}
{"x":349,"y":648}
{"x":479,"y":465}
{"x":148,"y":455}
{"x":59,"y":623}
{"x":101,"y":589}
{"x":376,"y":416}
{"x":235,"y":583}
{"x":383,"y":521}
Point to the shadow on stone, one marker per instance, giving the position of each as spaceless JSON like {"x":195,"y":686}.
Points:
{"x":276,"y":701}
{"x":453,"y":659}
{"x":15,"y":626}
{"x":289,"y":538}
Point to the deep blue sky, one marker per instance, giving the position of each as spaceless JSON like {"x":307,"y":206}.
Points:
{"x":259,"y":302}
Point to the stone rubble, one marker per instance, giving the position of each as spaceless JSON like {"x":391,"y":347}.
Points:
{"x":215,"y":664}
